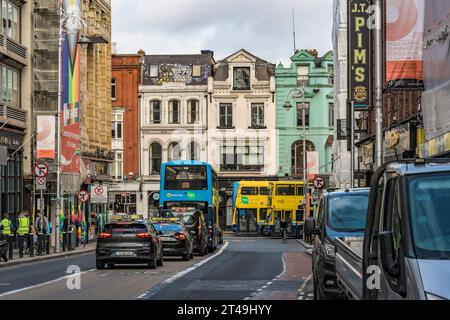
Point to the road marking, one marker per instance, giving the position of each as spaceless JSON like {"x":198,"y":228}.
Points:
{"x":43,"y":284}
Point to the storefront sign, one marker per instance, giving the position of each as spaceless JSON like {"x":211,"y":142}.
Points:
{"x":359,"y":54}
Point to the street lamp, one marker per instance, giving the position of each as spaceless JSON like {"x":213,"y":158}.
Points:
{"x":69,"y":24}
{"x":300,"y":93}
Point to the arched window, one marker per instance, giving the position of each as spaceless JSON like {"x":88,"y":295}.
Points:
{"x":155,"y":157}
{"x":297,"y":157}
{"x":194,"y":151}
{"x":174,"y":151}
{"x":193,"y":115}
{"x":155,"y":111}
{"x":174,"y":111}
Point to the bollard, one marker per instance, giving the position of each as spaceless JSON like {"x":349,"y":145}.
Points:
{"x":11,"y":246}
{"x":47,"y":244}
{"x":31,"y":245}
{"x":64,"y":239}
{"x":69,"y":241}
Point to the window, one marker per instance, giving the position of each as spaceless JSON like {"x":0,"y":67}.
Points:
{"x":264,"y":191}
{"x":330,"y":74}
{"x":286,"y":190}
{"x":297,"y":156}
{"x":155,"y":111}
{"x":257,"y":115}
{"x":154,"y":71}
{"x":331,"y":114}
{"x":117,"y":128}
{"x":174,"y":111}
{"x":9,"y":85}
{"x":10,"y":20}
{"x":226,"y":115}
{"x":155,"y":158}
{"x":194,"y":151}
{"x":241,"y":79}
{"x":196,"y":70}
{"x":174,"y":152}
{"x":300,"y":114}
{"x":185,"y":178}
{"x":244,"y":158}
{"x":193,"y":111}
{"x":113,"y":88}
{"x":249,"y":191}
{"x":117,"y":170}
{"x":302,"y":75}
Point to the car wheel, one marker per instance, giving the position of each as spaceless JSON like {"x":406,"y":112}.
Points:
{"x":100,"y":265}
{"x":152,"y":264}
{"x":5,"y":257}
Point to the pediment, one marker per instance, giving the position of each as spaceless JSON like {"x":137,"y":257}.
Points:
{"x":241,"y":56}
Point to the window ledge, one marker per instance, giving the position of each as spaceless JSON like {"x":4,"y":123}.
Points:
{"x":258,"y":128}
{"x":226,"y":128}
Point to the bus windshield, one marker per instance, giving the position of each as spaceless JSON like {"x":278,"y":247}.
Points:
{"x":185,"y":178}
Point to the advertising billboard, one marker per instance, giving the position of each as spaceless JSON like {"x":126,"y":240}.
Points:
{"x":404,"y":44}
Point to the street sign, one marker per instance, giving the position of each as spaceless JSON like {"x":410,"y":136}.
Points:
{"x":83,"y":196}
{"x":99,"y":194}
{"x":319,"y":183}
{"x":41,"y":183}
{"x":40,"y":170}
{"x":112,"y":197}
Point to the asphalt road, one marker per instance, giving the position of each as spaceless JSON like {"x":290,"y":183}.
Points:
{"x":243,"y":268}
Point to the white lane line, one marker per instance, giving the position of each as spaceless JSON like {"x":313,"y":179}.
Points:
{"x":197,"y":265}
{"x":43,"y":284}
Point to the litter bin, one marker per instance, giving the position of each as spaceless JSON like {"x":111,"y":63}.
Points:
{"x":71,"y":238}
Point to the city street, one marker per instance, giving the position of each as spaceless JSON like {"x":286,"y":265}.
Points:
{"x":243,"y":268}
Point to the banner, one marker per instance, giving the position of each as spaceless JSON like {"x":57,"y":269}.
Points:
{"x":70,"y":108}
{"x":46,"y":137}
{"x":313,"y":164}
{"x":359,"y":54}
{"x":404,"y":44}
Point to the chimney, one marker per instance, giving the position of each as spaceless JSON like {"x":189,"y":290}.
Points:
{"x":210,"y":52}
{"x":141,"y":52}
{"x":312,"y":52}
{"x":114,"y":48}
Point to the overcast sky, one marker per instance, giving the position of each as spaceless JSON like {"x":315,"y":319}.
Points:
{"x":263,"y":27}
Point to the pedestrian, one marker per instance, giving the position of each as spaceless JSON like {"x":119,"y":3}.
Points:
{"x":7,"y":228}
{"x":23,"y":230}
{"x":41,"y":229}
{"x":284,"y":226}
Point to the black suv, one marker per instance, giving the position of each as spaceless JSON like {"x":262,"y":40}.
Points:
{"x":129,"y":243}
{"x":340,"y":214}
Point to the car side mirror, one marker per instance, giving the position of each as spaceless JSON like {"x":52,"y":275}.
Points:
{"x":387,"y":253}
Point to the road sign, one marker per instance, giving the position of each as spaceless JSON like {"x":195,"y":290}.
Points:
{"x":319,"y":183}
{"x":41,"y":170}
{"x":112,"y":197}
{"x":41,"y":183}
{"x":99,"y":194}
{"x":83,"y":196}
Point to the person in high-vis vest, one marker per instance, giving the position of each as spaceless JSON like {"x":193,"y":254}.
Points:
{"x":7,"y":231}
{"x":23,"y":230}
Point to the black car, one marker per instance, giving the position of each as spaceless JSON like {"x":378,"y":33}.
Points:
{"x":195,"y":224}
{"x":176,"y":239}
{"x":340,"y":214}
{"x":129,"y":243}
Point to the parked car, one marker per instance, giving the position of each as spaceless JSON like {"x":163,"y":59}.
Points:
{"x":129,"y":242}
{"x":405,"y":252}
{"x":176,"y":239}
{"x":340,"y":214}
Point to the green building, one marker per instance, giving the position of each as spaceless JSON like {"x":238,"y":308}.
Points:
{"x":316,"y":75}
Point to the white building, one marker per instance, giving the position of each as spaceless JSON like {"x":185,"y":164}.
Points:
{"x":173,"y":115}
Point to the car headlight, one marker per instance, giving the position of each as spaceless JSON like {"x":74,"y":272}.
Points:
{"x":431,"y":296}
{"x":330,"y":250}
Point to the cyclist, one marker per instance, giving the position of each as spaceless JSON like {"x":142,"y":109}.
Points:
{"x":284,"y":226}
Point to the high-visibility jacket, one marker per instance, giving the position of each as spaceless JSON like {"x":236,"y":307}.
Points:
{"x":7,"y":224}
{"x":24,"y":226}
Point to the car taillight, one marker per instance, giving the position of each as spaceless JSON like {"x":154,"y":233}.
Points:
{"x":144,"y":235}
{"x":104,"y":235}
{"x":180,"y":236}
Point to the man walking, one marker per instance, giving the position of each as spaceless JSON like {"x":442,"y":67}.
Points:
{"x":41,"y":228}
{"x":23,"y":231}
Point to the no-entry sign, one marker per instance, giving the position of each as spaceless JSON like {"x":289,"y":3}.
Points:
{"x":40,"y":170}
{"x":83,"y":196}
{"x":319,"y":183}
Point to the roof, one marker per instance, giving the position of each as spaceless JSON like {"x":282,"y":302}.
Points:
{"x":442,"y":165}
{"x":186,"y":163}
{"x":340,"y":192}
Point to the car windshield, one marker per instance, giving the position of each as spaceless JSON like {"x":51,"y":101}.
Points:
{"x":347,"y":212}
{"x":168,"y":227}
{"x":429,"y":197}
{"x":129,"y":228}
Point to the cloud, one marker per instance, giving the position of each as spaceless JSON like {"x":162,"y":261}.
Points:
{"x":263,"y":27}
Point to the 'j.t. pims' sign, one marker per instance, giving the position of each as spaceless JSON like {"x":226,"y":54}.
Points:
{"x":359,"y":54}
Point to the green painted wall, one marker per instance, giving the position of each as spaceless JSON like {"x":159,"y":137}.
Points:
{"x":319,"y":94}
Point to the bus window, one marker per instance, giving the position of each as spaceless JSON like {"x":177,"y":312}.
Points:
{"x":248,"y":191}
{"x":299,"y":215}
{"x":264,"y":191}
{"x":300,"y":191}
{"x":185,"y":178}
{"x":286,"y":190}
{"x":288,"y":216}
{"x":263,"y":215}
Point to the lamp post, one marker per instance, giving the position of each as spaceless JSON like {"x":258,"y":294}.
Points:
{"x":288,"y":106}
{"x":68,"y":24}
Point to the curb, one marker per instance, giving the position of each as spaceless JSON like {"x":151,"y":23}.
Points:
{"x":16,"y":262}
{"x":306,"y":246}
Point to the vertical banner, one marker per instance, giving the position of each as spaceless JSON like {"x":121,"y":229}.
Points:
{"x":404,"y":44}
{"x":46,"y":137}
{"x":359,"y":54}
{"x":70,"y":109}
{"x":313,"y":164}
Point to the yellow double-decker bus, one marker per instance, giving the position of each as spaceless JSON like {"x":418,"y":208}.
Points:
{"x":251,"y":206}
{"x":286,"y":199}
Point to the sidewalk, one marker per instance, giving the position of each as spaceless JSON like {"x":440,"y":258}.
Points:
{"x":307,"y":246}
{"x":27,"y":259}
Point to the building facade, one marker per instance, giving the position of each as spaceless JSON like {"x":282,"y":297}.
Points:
{"x":314,"y":74}
{"x":241,"y":119}
{"x":173,"y":116}
{"x":125,"y":81}
{"x":15,"y":107}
